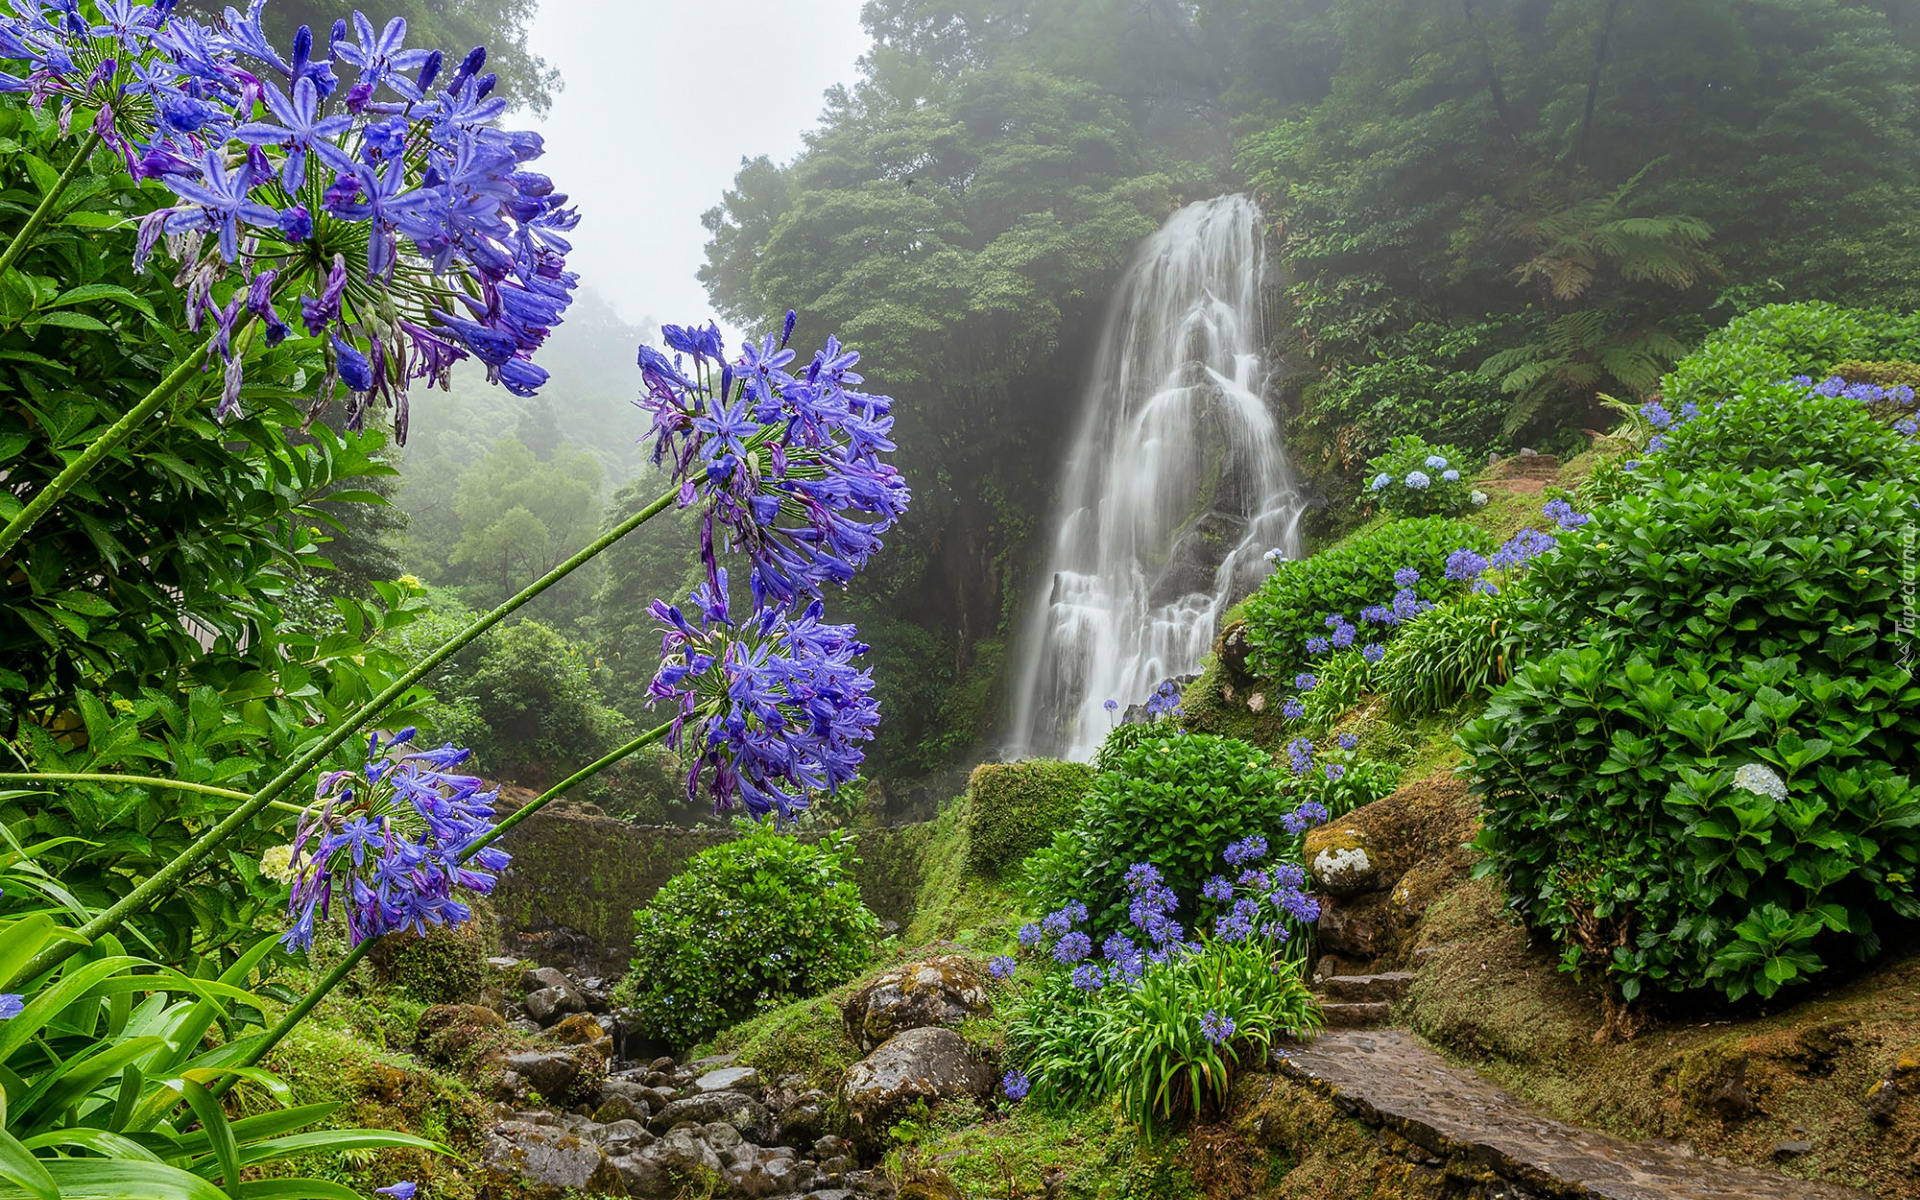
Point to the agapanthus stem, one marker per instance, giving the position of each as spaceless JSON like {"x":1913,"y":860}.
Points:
{"x":102,"y":446}
{"x":553,"y":793}
{"x":38,"y":217}
{"x":163,"y":880}
{"x":32,"y":778}
{"x":298,"y":1013}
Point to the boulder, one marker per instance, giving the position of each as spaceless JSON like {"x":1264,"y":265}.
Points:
{"x":737,"y":1109}
{"x":562,"y":1077}
{"x":618,"y":1108}
{"x":669,"y":1166}
{"x":802,"y":1120}
{"x":548,"y":1005}
{"x":1343,"y":859}
{"x":576,"y":1030}
{"x":930,"y":1063}
{"x":459,"y":1034}
{"x":1232,"y":651}
{"x":726,"y":1079}
{"x":543,"y":1158}
{"x":940,"y":991}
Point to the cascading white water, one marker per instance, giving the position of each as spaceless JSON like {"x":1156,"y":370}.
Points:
{"x":1176,"y":487}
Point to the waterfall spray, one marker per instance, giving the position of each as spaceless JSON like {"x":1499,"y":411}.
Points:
{"x":1176,"y":487}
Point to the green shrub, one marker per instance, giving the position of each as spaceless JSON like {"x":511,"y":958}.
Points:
{"x":1628,"y":809}
{"x":1450,"y":655}
{"x":1709,"y":787}
{"x":1780,"y":341}
{"x":1412,"y":480}
{"x":1778,"y":426}
{"x":1293,"y":604}
{"x":1145,"y":1044}
{"x":1425,"y":381}
{"x":1122,"y":738}
{"x":1802,"y":564}
{"x":748,"y":925}
{"x":1174,"y":801}
{"x":1360,"y":781}
{"x":1018,"y":807}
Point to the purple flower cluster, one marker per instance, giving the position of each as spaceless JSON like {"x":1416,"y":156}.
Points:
{"x":788,"y":467}
{"x":1216,"y":1027}
{"x":1001,"y":966}
{"x":1465,"y":566}
{"x":1072,"y":947}
{"x":1311,"y":813}
{"x":1015,"y":1084}
{"x":364,"y":188}
{"x":1293,"y":708}
{"x":1149,"y":910}
{"x":390,"y":842}
{"x":1521,"y":547}
{"x":12,"y":1004}
{"x":1165,"y":701}
{"x":1564,"y":514}
{"x":1218,"y":889}
{"x":1248,"y":849}
{"x":1305,"y":681}
{"x":1238,"y":924}
{"x":1088,"y":977}
{"x":777,"y":704}
{"x":1349,"y":741}
{"x":1373,"y":652}
{"x":1300,"y":755}
{"x":1865,"y":393}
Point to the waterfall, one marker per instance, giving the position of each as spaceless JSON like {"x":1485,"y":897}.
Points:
{"x":1175,"y":488}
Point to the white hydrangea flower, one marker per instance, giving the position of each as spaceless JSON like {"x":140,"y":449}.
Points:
{"x":1479,"y":498}
{"x":1760,"y":779}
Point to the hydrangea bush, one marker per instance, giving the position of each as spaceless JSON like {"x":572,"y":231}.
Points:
{"x":1735,"y":689}
{"x":1415,"y":479}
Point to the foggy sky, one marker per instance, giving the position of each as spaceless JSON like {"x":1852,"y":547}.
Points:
{"x":661,"y":100}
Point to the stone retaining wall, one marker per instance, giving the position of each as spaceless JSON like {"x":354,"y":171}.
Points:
{"x":589,"y":873}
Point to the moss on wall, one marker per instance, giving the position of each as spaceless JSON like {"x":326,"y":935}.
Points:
{"x":589,"y":872}
{"x":1018,"y":807}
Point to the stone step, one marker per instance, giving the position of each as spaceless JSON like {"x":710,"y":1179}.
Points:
{"x":1349,"y":1014}
{"x":1388,"y":1079}
{"x":1386,"y":986}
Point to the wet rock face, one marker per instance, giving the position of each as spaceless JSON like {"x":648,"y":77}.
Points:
{"x":940,"y":991}
{"x":550,"y":1158}
{"x":930,"y":1064}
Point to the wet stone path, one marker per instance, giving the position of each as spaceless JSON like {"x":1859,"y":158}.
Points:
{"x":1388,"y":1079}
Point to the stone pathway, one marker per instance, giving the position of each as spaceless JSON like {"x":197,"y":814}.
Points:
{"x":1387,"y":1078}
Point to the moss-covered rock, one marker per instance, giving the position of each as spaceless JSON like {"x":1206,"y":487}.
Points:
{"x":946,"y":990}
{"x":444,"y":965}
{"x":1016,"y":808}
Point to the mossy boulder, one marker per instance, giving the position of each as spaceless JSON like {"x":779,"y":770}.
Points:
{"x":463,"y":1036}
{"x":1375,"y":845}
{"x":445,"y":965}
{"x":944,"y":990}
{"x":1018,"y":807}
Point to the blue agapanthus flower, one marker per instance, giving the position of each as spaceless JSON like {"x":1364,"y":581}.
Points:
{"x":1317,"y":645}
{"x":1251,"y":848}
{"x":1465,"y":566}
{"x":1335,"y":772}
{"x":1293,"y":708}
{"x":1088,"y":977}
{"x":1001,"y":966}
{"x":1031,"y":935}
{"x":1310,"y":814}
{"x":1015,"y":1084}
{"x":1522,"y":547}
{"x":1343,"y":636}
{"x":1300,"y":755}
{"x":1218,"y":889}
{"x":1348,"y":741}
{"x":1072,"y":947}
{"x":767,"y":709}
{"x":405,"y":1189}
{"x":1565,"y":515}
{"x":390,"y":843}
{"x":1373,"y":652}
{"x":12,"y":1004}
{"x":1216,"y":1027}
{"x":1656,"y":414}
{"x":1406,"y":577}
{"x":789,"y":468}
{"x":393,"y":214}
{"x":1305,"y":681}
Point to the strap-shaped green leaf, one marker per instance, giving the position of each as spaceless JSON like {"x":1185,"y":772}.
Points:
{"x":19,"y":1167}
{"x":296,"y":1189}
{"x":120,"y":1179}
{"x":213,"y":1121}
{"x":248,"y":1130}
